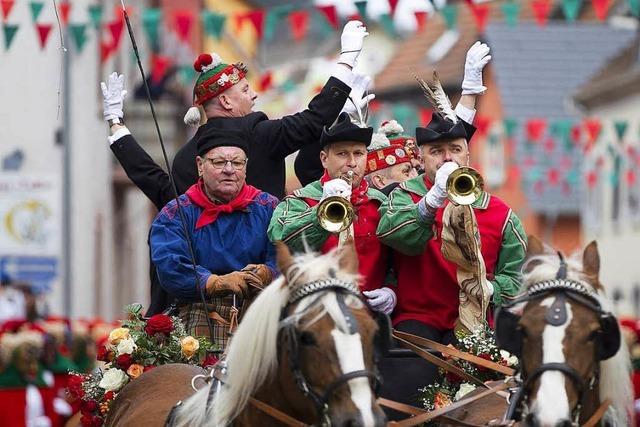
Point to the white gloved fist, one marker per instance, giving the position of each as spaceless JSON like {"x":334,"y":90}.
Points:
{"x":113,"y":94}
{"x":382,"y":300}
{"x":336,"y":187}
{"x":358,"y":97}
{"x":437,"y":195}
{"x":351,"y":42}
{"x":477,"y":57}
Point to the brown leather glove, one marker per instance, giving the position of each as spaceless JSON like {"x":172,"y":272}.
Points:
{"x":234,"y":282}
{"x":260,"y":274}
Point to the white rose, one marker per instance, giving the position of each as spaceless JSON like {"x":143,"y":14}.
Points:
{"x":511,"y":360}
{"x":126,"y":346}
{"x":113,"y":379}
{"x":464,"y":389}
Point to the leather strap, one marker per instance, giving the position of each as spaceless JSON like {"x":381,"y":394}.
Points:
{"x":454,"y":352}
{"x":412,"y":410}
{"x":597,"y":416}
{"x":276,"y":414}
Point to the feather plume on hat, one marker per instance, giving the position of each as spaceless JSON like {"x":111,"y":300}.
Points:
{"x":437,"y":97}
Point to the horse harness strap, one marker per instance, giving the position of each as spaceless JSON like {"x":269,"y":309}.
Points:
{"x":412,"y":410}
{"x":276,"y":414}
{"x":598,"y":414}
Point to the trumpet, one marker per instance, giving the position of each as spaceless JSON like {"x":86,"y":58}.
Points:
{"x":464,"y":186}
{"x":335,"y":214}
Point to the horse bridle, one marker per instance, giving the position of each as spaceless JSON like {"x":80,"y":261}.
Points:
{"x":562,"y":288}
{"x":289,"y":331}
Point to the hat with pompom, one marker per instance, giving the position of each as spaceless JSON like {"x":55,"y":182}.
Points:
{"x":383,"y":154}
{"x":215,"y":77}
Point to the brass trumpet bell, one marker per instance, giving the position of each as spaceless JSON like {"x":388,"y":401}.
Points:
{"x":335,"y":214}
{"x":464,"y":186}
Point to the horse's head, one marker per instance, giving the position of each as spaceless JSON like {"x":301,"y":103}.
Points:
{"x":561,"y":332}
{"x":329,"y":340}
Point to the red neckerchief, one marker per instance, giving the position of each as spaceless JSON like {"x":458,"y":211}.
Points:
{"x":358,"y":195}
{"x":427,"y":182}
{"x":211,"y":210}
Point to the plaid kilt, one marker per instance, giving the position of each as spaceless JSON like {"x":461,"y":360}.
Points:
{"x":219,"y":311}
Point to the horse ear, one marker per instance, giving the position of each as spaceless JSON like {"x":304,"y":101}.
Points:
{"x":534,"y":246}
{"x":285,"y":260}
{"x":349,"y":257}
{"x":591,"y":260}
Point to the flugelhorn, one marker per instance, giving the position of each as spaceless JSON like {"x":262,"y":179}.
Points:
{"x":464,"y":186}
{"x":335,"y":213}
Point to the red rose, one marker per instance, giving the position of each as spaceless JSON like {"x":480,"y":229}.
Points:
{"x":210,"y":360}
{"x":104,"y":354}
{"x":124,"y":361}
{"x":453,"y":378}
{"x":74,"y":386}
{"x":88,"y":407}
{"x":108,"y":395}
{"x":148,"y":368}
{"x":159,"y":324}
{"x":86,"y":420}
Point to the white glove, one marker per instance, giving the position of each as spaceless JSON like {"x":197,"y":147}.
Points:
{"x":437,"y":195}
{"x":382,"y":300}
{"x":336,"y":187}
{"x":491,"y":288}
{"x":351,"y":42}
{"x":357,"y":100}
{"x":477,"y":57}
{"x":113,"y":96}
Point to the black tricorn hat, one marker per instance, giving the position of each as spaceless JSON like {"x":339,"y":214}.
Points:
{"x":215,"y":137}
{"x":441,"y":129}
{"x":345,"y":130}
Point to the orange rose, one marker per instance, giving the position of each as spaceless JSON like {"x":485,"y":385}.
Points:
{"x":135,"y":370}
{"x":118,"y":335}
{"x":189,"y":346}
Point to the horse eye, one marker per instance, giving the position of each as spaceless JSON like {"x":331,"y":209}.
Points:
{"x":307,"y":338}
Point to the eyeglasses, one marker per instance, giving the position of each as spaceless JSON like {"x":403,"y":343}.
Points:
{"x":222,"y":163}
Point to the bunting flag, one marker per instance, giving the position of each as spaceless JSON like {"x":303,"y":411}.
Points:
{"x":571,"y":8}
{"x":95,"y":14}
{"x":187,"y":74}
{"x":630,"y":177}
{"x":272,"y":19}
{"x":392,"y":5}
{"x":634,"y":6}
{"x":549,"y":145}
{"x":36,"y":8}
{"x":450,"y":15}
{"x":79,"y":35}
{"x":541,"y":10}
{"x":299,"y":24}
{"x":387,"y":23}
{"x":425,"y":116}
{"x":6,"y":6}
{"x":63,"y":9}
{"x":592,"y":179}
{"x":362,"y":9}
{"x":330,"y":14}
{"x":213,"y":23}
{"x":257,"y":19}
{"x":593,"y":128}
{"x":482,"y":124}
{"x":561,"y":129}
{"x":553,"y":176}
{"x":421,"y":19}
{"x":150,"y":23}
{"x":621,"y":128}
{"x":511,"y":12}
{"x":509,"y":127}
{"x":43,"y":33}
{"x":480,"y":15}
{"x":266,"y":81}
{"x":106,"y":49}
{"x":115,"y":28}
{"x":9,"y":33}
{"x":183,"y":20}
{"x":160,"y":64}
{"x":535,"y":129}
{"x":601,"y":8}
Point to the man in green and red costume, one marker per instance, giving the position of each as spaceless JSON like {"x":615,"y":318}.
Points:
{"x":344,"y":150}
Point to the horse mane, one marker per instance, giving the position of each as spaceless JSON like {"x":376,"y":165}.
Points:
{"x":615,"y":383}
{"x":252,"y":356}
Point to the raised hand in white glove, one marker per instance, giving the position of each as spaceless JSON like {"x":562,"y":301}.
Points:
{"x":351,"y":42}
{"x":113,"y":95}
{"x":382,"y":300}
{"x":437,"y":195}
{"x":477,"y":57}
{"x":336,"y":187}
{"x":358,"y":98}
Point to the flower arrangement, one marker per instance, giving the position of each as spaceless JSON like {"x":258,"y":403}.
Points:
{"x":137,"y":346}
{"x":451,"y":388}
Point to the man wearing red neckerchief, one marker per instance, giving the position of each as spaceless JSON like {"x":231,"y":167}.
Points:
{"x":344,"y":149}
{"x":227,"y":222}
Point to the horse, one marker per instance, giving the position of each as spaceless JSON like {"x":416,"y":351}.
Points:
{"x":306,"y":347}
{"x":568,"y":342}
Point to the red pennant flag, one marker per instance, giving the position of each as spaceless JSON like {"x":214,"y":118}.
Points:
{"x":549,"y":145}
{"x":159,"y":66}
{"x":374,"y":106}
{"x":601,"y":8}
{"x":535,"y":129}
{"x":330,"y":14}
{"x":116,"y":27}
{"x":482,"y":124}
{"x":257,"y":19}
{"x":514,"y":174}
{"x":184,"y":21}
{"x":64,"y":8}
{"x":43,"y":31}
{"x":480,"y":15}
{"x":265,"y":81}
{"x":6,"y":6}
{"x":106,"y":49}
{"x":592,"y":179}
{"x":118,"y":12}
{"x":425,"y":116}
{"x":421,"y":19}
{"x":631,"y":177}
{"x":299,"y":24}
{"x":593,"y":127}
{"x":541,"y":9}
{"x":576,"y":134}
{"x":355,"y":17}
{"x":553,"y":176}
{"x":392,"y":5}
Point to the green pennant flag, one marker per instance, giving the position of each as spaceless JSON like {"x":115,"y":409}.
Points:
{"x":79,"y":35}
{"x":289,"y":85}
{"x":621,"y":128}
{"x":322,"y":24}
{"x":509,"y":127}
{"x":511,"y":12}
{"x":151,"y":22}
{"x":187,"y":74}
{"x":387,"y":23}
{"x":402,"y":113}
{"x":273,"y":18}
{"x":571,"y":8}
{"x":36,"y":8}
{"x":9,"y":33}
{"x":362,"y":8}
{"x":573,"y":176}
{"x":213,"y":23}
{"x":634,"y":6}
{"x":561,"y":129}
{"x":95,"y":14}
{"x":450,"y":15}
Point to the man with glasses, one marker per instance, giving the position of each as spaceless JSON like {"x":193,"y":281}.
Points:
{"x":227,"y":222}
